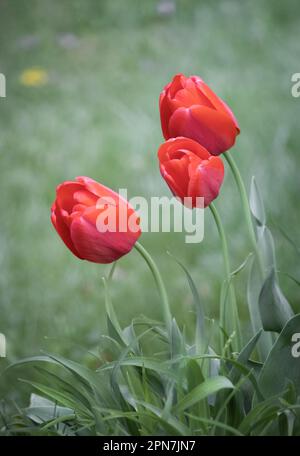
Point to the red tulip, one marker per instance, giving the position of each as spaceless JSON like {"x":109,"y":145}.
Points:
{"x":190,"y":170}
{"x":76,"y":214}
{"x":188,"y":107}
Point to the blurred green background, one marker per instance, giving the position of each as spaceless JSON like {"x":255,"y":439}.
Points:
{"x":94,"y":112}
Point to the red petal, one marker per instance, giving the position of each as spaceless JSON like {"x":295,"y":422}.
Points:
{"x":192,"y":95}
{"x":65,"y":194}
{"x":166,"y":150}
{"x":85,"y":197}
{"x":176,"y":84}
{"x":206,"y":180}
{"x":97,"y":189}
{"x":217,"y":102}
{"x":62,"y":229}
{"x":212,"y":129}
{"x":175,"y":173}
{"x":165,"y":108}
{"x":100,"y":247}
{"x":165,"y":114}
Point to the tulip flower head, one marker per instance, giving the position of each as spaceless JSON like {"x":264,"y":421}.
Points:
{"x":78,"y":215}
{"x":190,"y":170}
{"x":188,"y":107}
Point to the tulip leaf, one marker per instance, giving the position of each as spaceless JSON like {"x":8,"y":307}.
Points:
{"x":208,"y":387}
{"x":282,"y":366}
{"x":129,"y":336}
{"x":242,"y":265}
{"x":266,"y":247}
{"x":244,"y":356}
{"x":253,"y":289}
{"x":114,"y":327}
{"x":200,"y":330}
{"x":177,"y":345}
{"x":274,"y":308}
{"x":194,"y":378}
{"x":256,"y":204}
{"x":41,"y":409}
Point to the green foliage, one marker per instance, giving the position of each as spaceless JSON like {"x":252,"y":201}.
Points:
{"x":151,"y":378}
{"x":151,"y":381}
{"x":146,"y":378}
{"x":98,"y":115}
{"x":274,"y":308}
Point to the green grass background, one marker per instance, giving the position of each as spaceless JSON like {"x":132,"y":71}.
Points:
{"x":98,"y":116}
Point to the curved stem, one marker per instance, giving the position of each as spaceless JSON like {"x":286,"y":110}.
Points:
{"x":231,"y":291}
{"x":159,"y":282}
{"x":246,"y":208}
{"x":221,"y":231}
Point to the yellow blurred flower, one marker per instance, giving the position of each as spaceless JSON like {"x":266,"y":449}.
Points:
{"x":34,"y":77}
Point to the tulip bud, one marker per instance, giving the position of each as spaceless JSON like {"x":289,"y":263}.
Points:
{"x":78,"y":211}
{"x":189,"y":108}
{"x":190,"y":170}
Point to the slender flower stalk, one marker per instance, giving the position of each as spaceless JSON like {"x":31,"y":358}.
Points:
{"x":159,"y":282}
{"x":230,"y":288}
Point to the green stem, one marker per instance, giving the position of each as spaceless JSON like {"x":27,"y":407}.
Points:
{"x":159,"y":282}
{"x":246,"y":208}
{"x":234,"y":310}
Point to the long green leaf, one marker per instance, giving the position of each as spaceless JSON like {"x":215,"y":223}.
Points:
{"x":274,"y":308}
{"x":200,"y":312}
{"x":282,"y":364}
{"x":208,"y":387}
{"x":256,"y":203}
